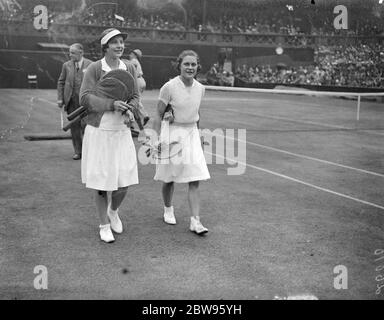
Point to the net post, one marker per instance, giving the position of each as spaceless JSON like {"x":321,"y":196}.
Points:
{"x":358,"y":107}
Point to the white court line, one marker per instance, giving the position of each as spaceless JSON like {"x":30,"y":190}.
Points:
{"x":304,"y":156}
{"x":289,"y":119}
{"x":270,"y":101}
{"x":292,"y":92}
{"x":51,"y":102}
{"x":372,"y":131}
{"x":291,"y":153}
{"x":311,"y":158}
{"x":309,"y":122}
{"x":267,"y":101}
{"x":301,"y":182}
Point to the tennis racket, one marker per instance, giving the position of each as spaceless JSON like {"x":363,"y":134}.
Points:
{"x":119,"y":85}
{"x":164,"y":148}
{"x":75,"y":113}
{"x":76,"y":119}
{"x":116,"y":84}
{"x":73,"y":117}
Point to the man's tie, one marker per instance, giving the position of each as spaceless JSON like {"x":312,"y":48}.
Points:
{"x":77,"y":66}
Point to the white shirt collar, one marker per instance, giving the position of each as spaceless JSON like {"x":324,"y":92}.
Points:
{"x":80,"y":63}
{"x":105,"y":67}
{"x":182,"y":83}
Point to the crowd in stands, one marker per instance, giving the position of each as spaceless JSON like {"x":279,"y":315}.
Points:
{"x":357,"y":65}
{"x":217,"y":76}
{"x":350,"y":66}
{"x":264,"y":20}
{"x":240,"y":25}
{"x":139,"y":20}
{"x":365,"y":17}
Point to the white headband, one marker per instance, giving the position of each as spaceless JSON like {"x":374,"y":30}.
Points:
{"x":109,"y":35}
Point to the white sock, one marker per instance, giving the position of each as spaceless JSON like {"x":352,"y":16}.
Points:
{"x":113,"y":212}
{"x":168,"y":209}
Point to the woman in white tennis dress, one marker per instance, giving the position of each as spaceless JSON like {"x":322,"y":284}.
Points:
{"x":109,"y":157}
{"x":184,"y":94}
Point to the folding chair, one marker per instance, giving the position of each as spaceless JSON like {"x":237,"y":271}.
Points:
{"x":32,"y":80}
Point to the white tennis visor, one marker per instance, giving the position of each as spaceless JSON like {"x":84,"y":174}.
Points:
{"x":110,"y":35}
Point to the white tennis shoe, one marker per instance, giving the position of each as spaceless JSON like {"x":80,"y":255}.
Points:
{"x":106,"y":233}
{"x":197,"y":227}
{"x":169,"y":216}
{"x":114,"y":218}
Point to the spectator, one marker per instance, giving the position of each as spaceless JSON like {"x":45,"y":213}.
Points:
{"x":228,"y":79}
{"x":357,"y":66}
{"x":68,"y":88}
{"x":213,"y":76}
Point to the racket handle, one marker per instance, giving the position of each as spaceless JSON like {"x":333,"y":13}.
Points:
{"x":78,"y":118}
{"x":139,"y":124}
{"x":136,"y":116}
{"x":75,"y":113}
{"x":164,"y":132}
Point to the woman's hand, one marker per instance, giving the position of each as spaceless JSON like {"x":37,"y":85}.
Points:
{"x":119,"y":105}
{"x":168,"y":116}
{"x":128,"y":118}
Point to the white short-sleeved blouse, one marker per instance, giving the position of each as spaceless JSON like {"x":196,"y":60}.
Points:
{"x":184,"y":100}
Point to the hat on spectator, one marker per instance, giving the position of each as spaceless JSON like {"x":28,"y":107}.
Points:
{"x":108,"y":34}
{"x":138,"y":53}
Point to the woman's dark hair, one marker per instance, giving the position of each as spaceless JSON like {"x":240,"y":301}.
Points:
{"x":104,"y":48}
{"x":185,"y":53}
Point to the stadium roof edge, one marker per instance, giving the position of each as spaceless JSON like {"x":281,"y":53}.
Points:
{"x":47,"y":45}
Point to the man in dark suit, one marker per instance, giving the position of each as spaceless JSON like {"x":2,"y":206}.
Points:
{"x":68,"y":88}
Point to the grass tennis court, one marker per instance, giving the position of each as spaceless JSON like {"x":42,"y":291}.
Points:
{"x":311,"y":198}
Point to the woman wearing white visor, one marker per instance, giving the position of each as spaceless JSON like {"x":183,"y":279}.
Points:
{"x":109,"y":157}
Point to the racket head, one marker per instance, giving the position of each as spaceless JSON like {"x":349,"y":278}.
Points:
{"x":173,"y":141}
{"x":116,"y":84}
{"x":169,"y":150}
{"x":119,"y":85}
{"x":163,"y":150}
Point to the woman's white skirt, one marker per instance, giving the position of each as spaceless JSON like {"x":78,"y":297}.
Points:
{"x":188,"y":166}
{"x":108,"y":159}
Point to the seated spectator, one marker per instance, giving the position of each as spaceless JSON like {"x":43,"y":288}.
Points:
{"x":360,"y":65}
{"x":213,"y":76}
{"x":228,"y":79}
{"x":251,"y":17}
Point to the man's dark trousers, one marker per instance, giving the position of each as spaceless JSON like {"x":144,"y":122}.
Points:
{"x":77,"y":129}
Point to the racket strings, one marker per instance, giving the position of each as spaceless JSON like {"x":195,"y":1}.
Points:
{"x":165,"y":149}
